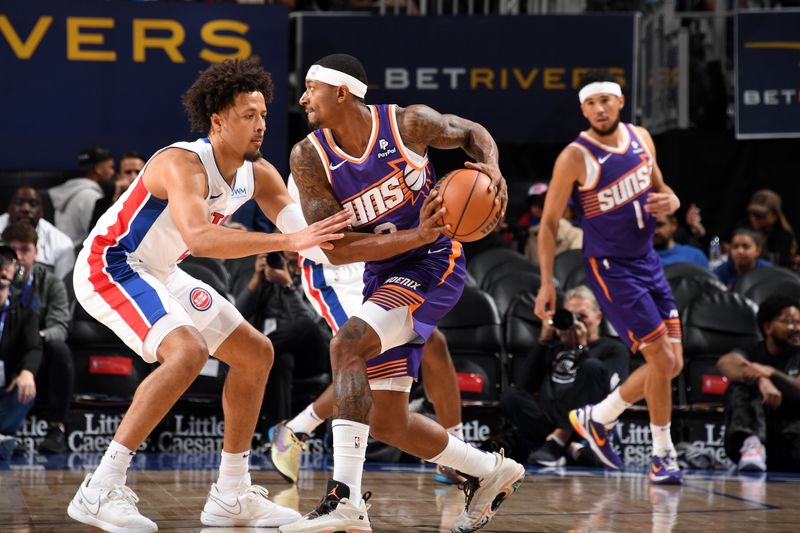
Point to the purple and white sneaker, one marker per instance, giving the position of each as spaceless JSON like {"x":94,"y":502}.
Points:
{"x":664,"y":470}
{"x":596,"y":435}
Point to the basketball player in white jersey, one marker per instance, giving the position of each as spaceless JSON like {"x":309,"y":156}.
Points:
{"x":126,"y":276}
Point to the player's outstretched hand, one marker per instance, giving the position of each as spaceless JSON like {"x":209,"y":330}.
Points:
{"x":431,"y":223}
{"x":545,"y":302}
{"x":320,"y":233}
{"x":498,"y":186}
{"x":661,"y":203}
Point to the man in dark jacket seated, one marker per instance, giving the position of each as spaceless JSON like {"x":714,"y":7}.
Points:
{"x":762,"y":403}
{"x":572,"y":366}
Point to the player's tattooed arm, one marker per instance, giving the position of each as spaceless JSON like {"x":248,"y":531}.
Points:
{"x":420,"y":126}
{"x":318,"y":201}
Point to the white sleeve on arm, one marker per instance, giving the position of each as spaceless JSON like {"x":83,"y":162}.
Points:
{"x":291,"y":220}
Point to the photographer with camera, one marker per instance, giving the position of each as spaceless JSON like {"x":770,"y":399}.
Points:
{"x":20,"y":353}
{"x":272,"y":302}
{"x":572,"y":366}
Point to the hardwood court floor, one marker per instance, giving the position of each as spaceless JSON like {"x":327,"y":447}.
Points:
{"x":34,"y":498}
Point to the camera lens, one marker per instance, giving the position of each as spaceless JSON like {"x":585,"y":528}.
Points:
{"x":275,"y":260}
{"x":563,"y":319}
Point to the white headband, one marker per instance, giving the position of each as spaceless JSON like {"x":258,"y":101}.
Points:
{"x":337,"y":78}
{"x":600,"y":87}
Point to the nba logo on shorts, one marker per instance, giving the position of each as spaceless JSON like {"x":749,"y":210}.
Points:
{"x":200,"y":298}
{"x":358,"y":442}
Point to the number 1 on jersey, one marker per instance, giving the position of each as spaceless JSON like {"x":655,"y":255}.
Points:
{"x":639,"y":218}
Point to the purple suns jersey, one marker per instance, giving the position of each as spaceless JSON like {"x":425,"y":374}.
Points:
{"x":610,"y":203}
{"x":385,"y":187}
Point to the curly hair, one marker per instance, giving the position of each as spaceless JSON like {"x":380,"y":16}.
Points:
{"x":217,"y":87}
{"x":772,"y":307}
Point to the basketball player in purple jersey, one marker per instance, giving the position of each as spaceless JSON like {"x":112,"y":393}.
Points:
{"x":336,"y":292}
{"x":610,"y":171}
{"x":372,"y":160}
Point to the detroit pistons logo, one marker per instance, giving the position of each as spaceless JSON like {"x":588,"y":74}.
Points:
{"x":200,"y":299}
{"x":415,"y":179}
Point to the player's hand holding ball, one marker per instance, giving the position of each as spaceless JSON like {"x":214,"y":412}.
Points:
{"x":498,"y":184}
{"x":430,"y":217}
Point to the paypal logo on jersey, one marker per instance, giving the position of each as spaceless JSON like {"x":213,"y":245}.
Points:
{"x":383,"y":144}
{"x":238,"y":192}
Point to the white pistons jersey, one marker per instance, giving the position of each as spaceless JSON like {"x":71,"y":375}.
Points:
{"x":126,"y":276}
{"x":139,"y":226}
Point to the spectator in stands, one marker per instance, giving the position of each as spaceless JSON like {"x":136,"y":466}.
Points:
{"x":670,"y":251}
{"x":533,"y":215}
{"x":762,"y":403}
{"x":777,"y":237}
{"x":568,"y":237}
{"x":74,"y":199}
{"x":55,"y":247}
{"x":743,"y":257}
{"x":130,"y":164}
{"x":273,"y":303}
{"x":570,"y":368}
{"x":45,"y":294}
{"x":20,"y":354}
{"x":696,"y":234}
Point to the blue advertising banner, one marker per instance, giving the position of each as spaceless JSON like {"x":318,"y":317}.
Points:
{"x":517,"y":76}
{"x":112,"y":73}
{"x":767,"y":74}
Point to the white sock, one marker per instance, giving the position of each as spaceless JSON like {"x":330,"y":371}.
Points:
{"x":464,"y":458}
{"x":607,"y":411}
{"x":233,"y":471}
{"x":349,"y":452}
{"x":457,"y":431}
{"x":557,"y":441}
{"x":662,"y":440}
{"x":113,"y":466}
{"x":306,"y":422}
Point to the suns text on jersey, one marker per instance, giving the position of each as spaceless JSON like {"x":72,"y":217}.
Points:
{"x":378,"y":200}
{"x":626,"y":188}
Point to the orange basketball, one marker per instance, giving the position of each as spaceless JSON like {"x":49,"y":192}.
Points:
{"x":471,"y":211}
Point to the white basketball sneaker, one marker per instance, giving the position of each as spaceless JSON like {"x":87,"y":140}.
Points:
{"x":245,"y":506}
{"x":754,"y":456}
{"x":484,"y":495}
{"x":336,"y":512}
{"x":109,"y":508}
